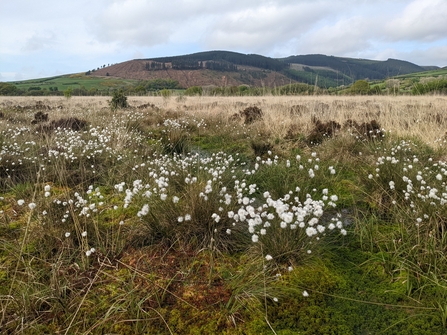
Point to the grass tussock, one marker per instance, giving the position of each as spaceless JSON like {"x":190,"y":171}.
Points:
{"x":223,"y":215}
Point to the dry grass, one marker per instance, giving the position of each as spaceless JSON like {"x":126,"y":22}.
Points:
{"x":424,"y":117}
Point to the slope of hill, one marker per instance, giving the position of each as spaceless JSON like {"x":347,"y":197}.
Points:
{"x":221,"y":68}
{"x":358,"y":68}
{"x":218,"y":73}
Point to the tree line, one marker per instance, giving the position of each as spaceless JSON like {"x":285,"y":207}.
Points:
{"x":191,"y":64}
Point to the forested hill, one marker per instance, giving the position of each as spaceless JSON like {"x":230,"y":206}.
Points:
{"x":235,"y":58}
{"x":358,"y":68}
{"x":222,"y":68}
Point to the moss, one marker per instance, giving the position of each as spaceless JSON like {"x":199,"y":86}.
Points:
{"x":349,"y":296}
{"x":218,"y":142}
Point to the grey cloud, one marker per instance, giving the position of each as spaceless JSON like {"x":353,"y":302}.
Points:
{"x":40,"y":41}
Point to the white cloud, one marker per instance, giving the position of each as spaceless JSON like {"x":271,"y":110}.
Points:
{"x":346,"y":36}
{"x":80,"y":35}
{"x":263,"y":28}
{"x":430,"y":56}
{"x":421,"y":20}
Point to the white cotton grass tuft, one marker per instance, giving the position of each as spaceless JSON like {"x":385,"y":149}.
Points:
{"x":144,"y":211}
{"x":237,"y":205}
{"x":89,"y":252}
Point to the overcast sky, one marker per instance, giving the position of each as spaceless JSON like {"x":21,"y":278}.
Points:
{"x":51,"y":37}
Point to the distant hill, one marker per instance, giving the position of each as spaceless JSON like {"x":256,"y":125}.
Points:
{"x":218,"y":68}
{"x":223,"y":68}
{"x":358,"y":68}
{"x":230,"y":73}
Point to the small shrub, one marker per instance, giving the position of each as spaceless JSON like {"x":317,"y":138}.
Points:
{"x":119,"y":100}
{"x":68,"y":92}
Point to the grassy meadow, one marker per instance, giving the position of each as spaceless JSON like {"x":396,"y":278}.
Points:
{"x":223,"y":215}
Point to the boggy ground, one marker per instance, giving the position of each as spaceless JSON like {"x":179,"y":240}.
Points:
{"x":237,"y":215}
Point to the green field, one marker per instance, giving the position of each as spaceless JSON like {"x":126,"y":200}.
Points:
{"x":74,"y":81}
{"x":418,"y":75}
{"x":315,"y":81}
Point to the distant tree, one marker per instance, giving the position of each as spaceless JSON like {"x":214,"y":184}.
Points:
{"x":194,"y":90}
{"x":68,"y":92}
{"x":243,"y":89}
{"x":8,"y":89}
{"x":377,"y":90}
{"x":433,"y":86}
{"x":140,"y":90}
{"x":93,"y":91}
{"x":360,"y":87}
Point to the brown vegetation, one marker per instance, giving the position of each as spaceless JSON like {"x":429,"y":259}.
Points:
{"x":135,"y":69}
{"x":40,"y":117}
{"x":251,"y":114}
{"x":322,"y":130}
{"x":282,"y":117}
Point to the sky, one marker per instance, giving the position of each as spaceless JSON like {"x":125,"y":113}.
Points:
{"x":52,"y":37}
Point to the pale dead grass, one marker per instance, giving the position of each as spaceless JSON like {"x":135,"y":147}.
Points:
{"x":424,"y":117}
